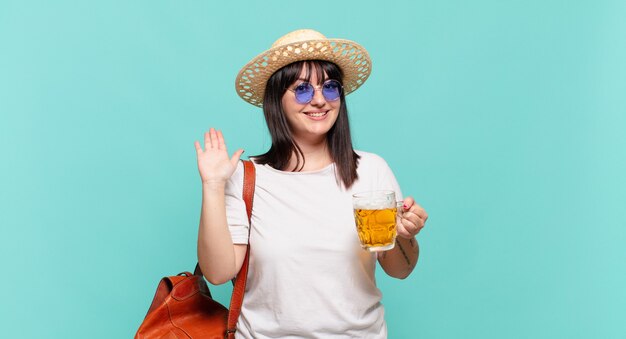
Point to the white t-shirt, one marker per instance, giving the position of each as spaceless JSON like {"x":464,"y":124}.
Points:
{"x":308,"y":275}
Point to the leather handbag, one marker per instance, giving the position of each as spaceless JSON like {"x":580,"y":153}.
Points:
{"x":183,"y":307}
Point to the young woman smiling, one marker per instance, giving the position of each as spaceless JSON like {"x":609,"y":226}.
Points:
{"x":308,"y":275}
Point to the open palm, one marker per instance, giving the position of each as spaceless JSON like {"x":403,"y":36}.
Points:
{"x":214,"y":164}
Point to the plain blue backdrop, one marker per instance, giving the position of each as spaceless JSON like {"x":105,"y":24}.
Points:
{"x":505,"y":119}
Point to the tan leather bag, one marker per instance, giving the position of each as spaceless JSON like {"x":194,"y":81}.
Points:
{"x":183,"y":307}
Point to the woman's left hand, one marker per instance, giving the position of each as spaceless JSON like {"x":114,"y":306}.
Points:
{"x":413,"y":219}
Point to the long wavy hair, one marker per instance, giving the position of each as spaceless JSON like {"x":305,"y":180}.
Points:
{"x":284,"y":146}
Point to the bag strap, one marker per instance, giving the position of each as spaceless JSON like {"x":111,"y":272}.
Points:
{"x":249,"y":176}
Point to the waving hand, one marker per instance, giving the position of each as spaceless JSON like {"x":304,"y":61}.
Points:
{"x":214,"y":164}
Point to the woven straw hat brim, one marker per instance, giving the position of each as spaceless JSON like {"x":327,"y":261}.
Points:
{"x":351,"y":57}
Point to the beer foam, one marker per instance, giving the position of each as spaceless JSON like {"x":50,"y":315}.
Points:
{"x":374,"y":200}
{"x":373,"y":204}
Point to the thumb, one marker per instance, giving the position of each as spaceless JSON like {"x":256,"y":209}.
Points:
{"x":408,"y":202}
{"x":236,"y":156}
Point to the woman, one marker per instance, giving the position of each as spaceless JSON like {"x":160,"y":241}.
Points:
{"x":308,"y":275}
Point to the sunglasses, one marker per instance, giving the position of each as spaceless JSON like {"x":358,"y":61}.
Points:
{"x":331,"y":90}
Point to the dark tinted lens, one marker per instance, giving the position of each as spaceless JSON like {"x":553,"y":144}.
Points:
{"x":331,"y":90}
{"x":304,"y":92}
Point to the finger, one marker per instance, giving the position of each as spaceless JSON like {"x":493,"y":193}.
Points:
{"x":419,"y":210}
{"x":198,"y":148}
{"x":235,"y":158}
{"x":412,"y":228}
{"x":416,"y":220}
{"x":402,"y":232}
{"x":213,"y":135}
{"x":419,"y":222}
{"x":407,"y":203}
{"x":207,"y":140}
{"x":408,"y":225}
{"x":220,"y":141}
{"x":412,"y":217}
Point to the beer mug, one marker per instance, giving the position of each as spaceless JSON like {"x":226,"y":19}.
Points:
{"x":375,"y":215}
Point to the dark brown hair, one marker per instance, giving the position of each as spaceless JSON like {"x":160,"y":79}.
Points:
{"x":283,"y":145}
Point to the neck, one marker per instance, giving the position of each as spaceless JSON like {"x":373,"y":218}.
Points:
{"x":316,"y":155}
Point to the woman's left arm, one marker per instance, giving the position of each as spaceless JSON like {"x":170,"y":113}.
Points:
{"x":400,"y":261}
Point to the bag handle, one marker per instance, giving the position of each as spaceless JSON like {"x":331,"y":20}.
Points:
{"x":249,"y":176}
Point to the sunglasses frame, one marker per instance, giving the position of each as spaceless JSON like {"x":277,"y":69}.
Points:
{"x":316,"y":88}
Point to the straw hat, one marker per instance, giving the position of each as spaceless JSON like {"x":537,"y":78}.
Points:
{"x":304,"y":44}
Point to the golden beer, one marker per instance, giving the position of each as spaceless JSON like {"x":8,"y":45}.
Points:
{"x":375,"y":218}
{"x":376,"y":228}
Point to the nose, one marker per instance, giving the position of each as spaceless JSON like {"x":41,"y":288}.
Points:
{"x":318,"y":98}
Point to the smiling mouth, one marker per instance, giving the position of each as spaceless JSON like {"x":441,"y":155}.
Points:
{"x":316,"y":114}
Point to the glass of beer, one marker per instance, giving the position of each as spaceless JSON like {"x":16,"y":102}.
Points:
{"x":375,"y":214}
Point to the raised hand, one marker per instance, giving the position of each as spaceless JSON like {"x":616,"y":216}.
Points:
{"x":214,"y":164}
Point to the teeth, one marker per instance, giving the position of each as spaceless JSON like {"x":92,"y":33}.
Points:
{"x":316,"y":114}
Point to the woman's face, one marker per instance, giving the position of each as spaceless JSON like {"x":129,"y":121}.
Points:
{"x":313,"y":120}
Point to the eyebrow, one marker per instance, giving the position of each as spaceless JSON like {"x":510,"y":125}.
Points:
{"x":309,"y":81}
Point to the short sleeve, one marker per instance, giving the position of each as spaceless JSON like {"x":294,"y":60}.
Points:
{"x":236,"y":215}
{"x":387,"y":180}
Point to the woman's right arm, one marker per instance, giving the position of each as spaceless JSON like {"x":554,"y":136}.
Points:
{"x":219,"y":258}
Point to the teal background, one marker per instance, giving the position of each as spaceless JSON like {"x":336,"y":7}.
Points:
{"x":505,"y":119}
